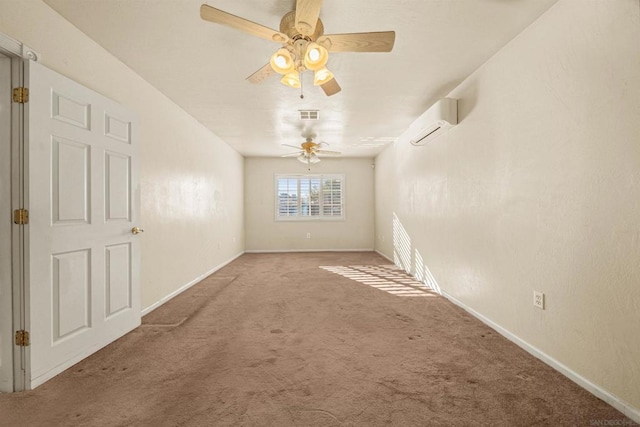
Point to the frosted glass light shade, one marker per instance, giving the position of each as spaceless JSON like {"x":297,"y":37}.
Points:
{"x":315,"y":57}
{"x":291,"y":79}
{"x":322,"y":76}
{"x":282,"y":62}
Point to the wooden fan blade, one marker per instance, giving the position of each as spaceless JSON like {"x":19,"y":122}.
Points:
{"x":218,"y":16}
{"x":291,"y":154}
{"x":307,"y":13}
{"x":328,"y":152}
{"x":359,"y":42}
{"x":261,"y":74}
{"x":297,"y":147}
{"x":331,"y":87}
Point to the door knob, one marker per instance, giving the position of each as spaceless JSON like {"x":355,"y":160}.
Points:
{"x":137,"y":230}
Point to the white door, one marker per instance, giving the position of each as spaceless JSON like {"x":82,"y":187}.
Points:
{"x":83,"y":199}
{"x":6,"y":317}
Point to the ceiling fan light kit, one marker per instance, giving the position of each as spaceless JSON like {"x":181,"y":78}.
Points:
{"x":308,"y":159}
{"x":287,"y":62}
{"x":304,"y":44}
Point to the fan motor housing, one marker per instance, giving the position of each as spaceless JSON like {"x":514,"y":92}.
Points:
{"x":288,"y":27}
{"x":308,"y":146}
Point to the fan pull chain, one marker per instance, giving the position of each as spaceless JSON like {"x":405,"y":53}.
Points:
{"x":301,"y":85}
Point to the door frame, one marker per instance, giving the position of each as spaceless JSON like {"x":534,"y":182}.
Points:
{"x":18,"y":53}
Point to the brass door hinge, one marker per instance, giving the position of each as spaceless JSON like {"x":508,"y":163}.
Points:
{"x":21,"y":216}
{"x":21,"y":95}
{"x":22,"y":338}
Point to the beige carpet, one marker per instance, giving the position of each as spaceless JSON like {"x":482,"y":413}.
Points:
{"x":274,"y":340}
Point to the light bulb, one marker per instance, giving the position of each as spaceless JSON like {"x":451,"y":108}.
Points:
{"x":314,"y":54}
{"x":281,"y":61}
{"x":315,"y":57}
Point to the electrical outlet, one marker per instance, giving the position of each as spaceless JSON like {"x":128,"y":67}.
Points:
{"x":538,"y":299}
{"x":308,"y":235}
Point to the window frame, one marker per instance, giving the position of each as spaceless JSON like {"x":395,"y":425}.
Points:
{"x":320,"y":216}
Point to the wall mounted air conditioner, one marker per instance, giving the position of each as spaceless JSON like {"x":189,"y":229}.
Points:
{"x":434,"y":122}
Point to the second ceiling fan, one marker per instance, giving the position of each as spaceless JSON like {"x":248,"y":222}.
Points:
{"x":304,"y":44}
{"x":309,"y":151}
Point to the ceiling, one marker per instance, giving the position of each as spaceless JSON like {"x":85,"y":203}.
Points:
{"x":202,"y":66}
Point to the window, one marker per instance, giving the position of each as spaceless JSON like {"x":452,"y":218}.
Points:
{"x":318,"y":197}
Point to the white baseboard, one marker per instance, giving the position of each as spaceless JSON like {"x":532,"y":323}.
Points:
{"x":187,"y":286}
{"x":276,"y":251}
{"x":616,"y":402}
{"x":384,"y":256}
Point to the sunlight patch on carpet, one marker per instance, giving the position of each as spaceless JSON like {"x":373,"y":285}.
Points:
{"x":389,"y":278}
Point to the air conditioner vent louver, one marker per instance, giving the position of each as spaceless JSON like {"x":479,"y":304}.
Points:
{"x":309,"y":114}
{"x":434,"y":122}
{"x":419,"y":141}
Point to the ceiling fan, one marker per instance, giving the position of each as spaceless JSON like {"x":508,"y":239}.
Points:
{"x":310,"y":151}
{"x":304,"y":44}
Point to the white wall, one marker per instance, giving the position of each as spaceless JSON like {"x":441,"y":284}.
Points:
{"x":191,"y":181}
{"x":264,"y":233}
{"x":538,"y":187}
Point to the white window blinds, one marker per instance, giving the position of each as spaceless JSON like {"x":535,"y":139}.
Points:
{"x":309,"y":197}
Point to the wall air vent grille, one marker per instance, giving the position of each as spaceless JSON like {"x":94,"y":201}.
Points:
{"x":309,"y":114}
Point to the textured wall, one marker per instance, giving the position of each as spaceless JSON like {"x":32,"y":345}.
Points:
{"x":264,"y":233}
{"x":537,"y":188}
{"x":191,"y":181}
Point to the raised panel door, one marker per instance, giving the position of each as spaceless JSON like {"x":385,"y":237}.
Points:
{"x":83,"y":261}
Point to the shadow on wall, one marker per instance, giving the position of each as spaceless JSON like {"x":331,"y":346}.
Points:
{"x":441,"y":92}
{"x":467,"y":99}
{"x":411,"y":260}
